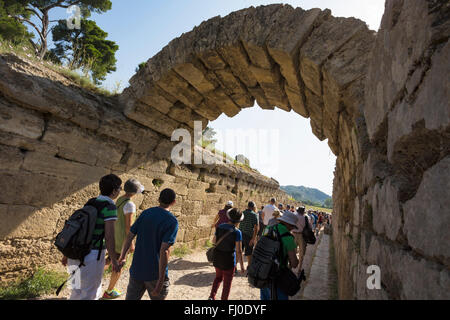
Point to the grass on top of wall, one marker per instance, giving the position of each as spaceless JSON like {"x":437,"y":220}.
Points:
{"x":26,"y":52}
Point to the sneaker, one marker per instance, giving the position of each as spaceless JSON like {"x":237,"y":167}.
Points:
{"x":109,"y":295}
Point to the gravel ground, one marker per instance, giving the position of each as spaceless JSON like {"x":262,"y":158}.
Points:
{"x":192,"y":276}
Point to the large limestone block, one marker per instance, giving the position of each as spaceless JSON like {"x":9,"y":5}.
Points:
{"x":408,"y":29}
{"x":271,"y":82}
{"x":296,"y":101}
{"x":150,"y":118}
{"x":426,"y":215}
{"x":220,"y":99}
{"x":180,"y":89}
{"x":21,"y":221}
{"x":236,"y":57}
{"x":26,"y":123}
{"x":10,"y":158}
{"x":14,"y":140}
{"x":195,"y":74}
{"x":41,"y":163}
{"x":152,"y":95}
{"x":259,"y":23}
{"x":32,"y":189}
{"x":81,"y":146}
{"x":46,"y":91}
{"x":406,"y":276}
{"x":183,"y":172}
{"x":234,"y":88}
{"x":192,"y":208}
{"x":345,"y":66}
{"x":117,"y":126}
{"x":430,"y":105}
{"x":325,"y":40}
{"x":386,"y":215}
{"x":286,"y":39}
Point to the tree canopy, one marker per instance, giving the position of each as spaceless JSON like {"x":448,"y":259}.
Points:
{"x":10,"y":28}
{"x":85,"y":48}
{"x":23,"y":10}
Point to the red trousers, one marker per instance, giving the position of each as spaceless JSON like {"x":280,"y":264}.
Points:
{"x":227,"y":277}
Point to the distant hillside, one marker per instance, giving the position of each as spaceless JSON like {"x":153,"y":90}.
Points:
{"x":310,"y":196}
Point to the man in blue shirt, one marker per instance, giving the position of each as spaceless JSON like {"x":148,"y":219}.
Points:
{"x":156,"y":230}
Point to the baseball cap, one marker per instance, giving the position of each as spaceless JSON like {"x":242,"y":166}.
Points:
{"x":230,"y":203}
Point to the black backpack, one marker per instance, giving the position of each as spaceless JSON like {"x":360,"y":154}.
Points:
{"x":75,"y":239}
{"x":266,"y":259}
{"x":308,"y":234}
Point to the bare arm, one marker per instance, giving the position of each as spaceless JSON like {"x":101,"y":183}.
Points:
{"x":239,"y":255}
{"x":164,"y":254}
{"x":216,"y":219}
{"x":293,"y":261}
{"x":255,"y":234}
{"x":110,"y":242}
{"x":128,"y":218}
{"x":126,"y":246}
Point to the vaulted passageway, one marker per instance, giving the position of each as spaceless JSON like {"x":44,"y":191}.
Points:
{"x":379,"y":98}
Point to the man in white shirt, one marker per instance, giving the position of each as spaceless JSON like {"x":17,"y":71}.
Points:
{"x":267,"y":212}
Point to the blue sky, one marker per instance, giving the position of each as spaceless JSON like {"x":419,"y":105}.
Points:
{"x":142,"y":28}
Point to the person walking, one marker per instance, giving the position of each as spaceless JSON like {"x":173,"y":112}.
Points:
{"x":261,"y":223}
{"x":155,"y":231}
{"x":286,"y":223}
{"x":249,"y":228}
{"x":126,"y":211}
{"x":221,"y":216}
{"x":226,"y":253}
{"x":89,"y":284}
{"x":298,"y":237}
{"x":276,"y":214}
{"x":268,"y":210}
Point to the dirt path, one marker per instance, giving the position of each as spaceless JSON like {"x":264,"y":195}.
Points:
{"x":192,"y":277}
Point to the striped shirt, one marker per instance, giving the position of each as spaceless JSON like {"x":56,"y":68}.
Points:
{"x":108,"y":213}
{"x":249,"y":223}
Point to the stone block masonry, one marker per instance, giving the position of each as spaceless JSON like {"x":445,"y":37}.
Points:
{"x":51,"y":163}
{"x":380,"y":99}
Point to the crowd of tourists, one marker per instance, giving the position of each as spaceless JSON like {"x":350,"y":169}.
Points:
{"x":115,"y":233}
{"x":237,"y":233}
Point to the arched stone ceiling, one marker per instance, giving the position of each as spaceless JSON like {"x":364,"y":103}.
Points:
{"x":306,"y":61}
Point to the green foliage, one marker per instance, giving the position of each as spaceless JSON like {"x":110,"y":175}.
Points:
{"x":208,"y":244}
{"x":328,"y":203}
{"x":11,"y":29}
{"x":181,"y":251}
{"x":86,"y":49}
{"x":40,"y":283}
{"x":157,"y":182}
{"x":35,"y":14}
{"x":141,"y":66}
{"x":309,"y":196}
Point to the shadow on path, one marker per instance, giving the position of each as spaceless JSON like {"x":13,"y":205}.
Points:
{"x":181,"y":264}
{"x":197,"y":279}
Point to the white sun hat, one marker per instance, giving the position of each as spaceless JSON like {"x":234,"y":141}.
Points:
{"x":289,"y":218}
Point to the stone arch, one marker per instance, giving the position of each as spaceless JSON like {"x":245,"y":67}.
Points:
{"x":380,"y":100}
{"x":278,"y":56}
{"x":306,"y":61}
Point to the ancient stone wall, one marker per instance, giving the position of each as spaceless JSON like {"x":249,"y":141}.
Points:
{"x":381,"y":100}
{"x":399,"y":219}
{"x":57,"y":140}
